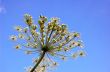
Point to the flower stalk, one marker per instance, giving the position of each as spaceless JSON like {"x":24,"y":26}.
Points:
{"x":40,"y":59}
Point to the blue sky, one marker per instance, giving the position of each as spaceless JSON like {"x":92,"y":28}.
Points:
{"x":89,"y":17}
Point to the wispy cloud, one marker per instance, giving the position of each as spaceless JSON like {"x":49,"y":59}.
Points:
{"x":2,"y":9}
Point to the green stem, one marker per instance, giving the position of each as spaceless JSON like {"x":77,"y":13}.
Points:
{"x":50,"y":35}
{"x":40,"y":59}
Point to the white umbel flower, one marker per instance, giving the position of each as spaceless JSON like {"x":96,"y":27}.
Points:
{"x":50,"y":40}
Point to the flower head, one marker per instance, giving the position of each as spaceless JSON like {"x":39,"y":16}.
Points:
{"x":50,"y":39}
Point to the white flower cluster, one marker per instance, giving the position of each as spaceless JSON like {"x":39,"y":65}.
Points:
{"x":51,"y":38}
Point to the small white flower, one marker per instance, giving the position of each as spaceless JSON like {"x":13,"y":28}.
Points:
{"x":28,"y":19}
{"x":21,"y":36}
{"x":18,"y":28}
{"x":28,"y":52}
{"x":17,"y":46}
{"x":75,"y":55}
{"x":25,"y":29}
{"x":13,"y":37}
{"x":82,"y":53}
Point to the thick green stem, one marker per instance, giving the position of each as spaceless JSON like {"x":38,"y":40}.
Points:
{"x":40,"y":59}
